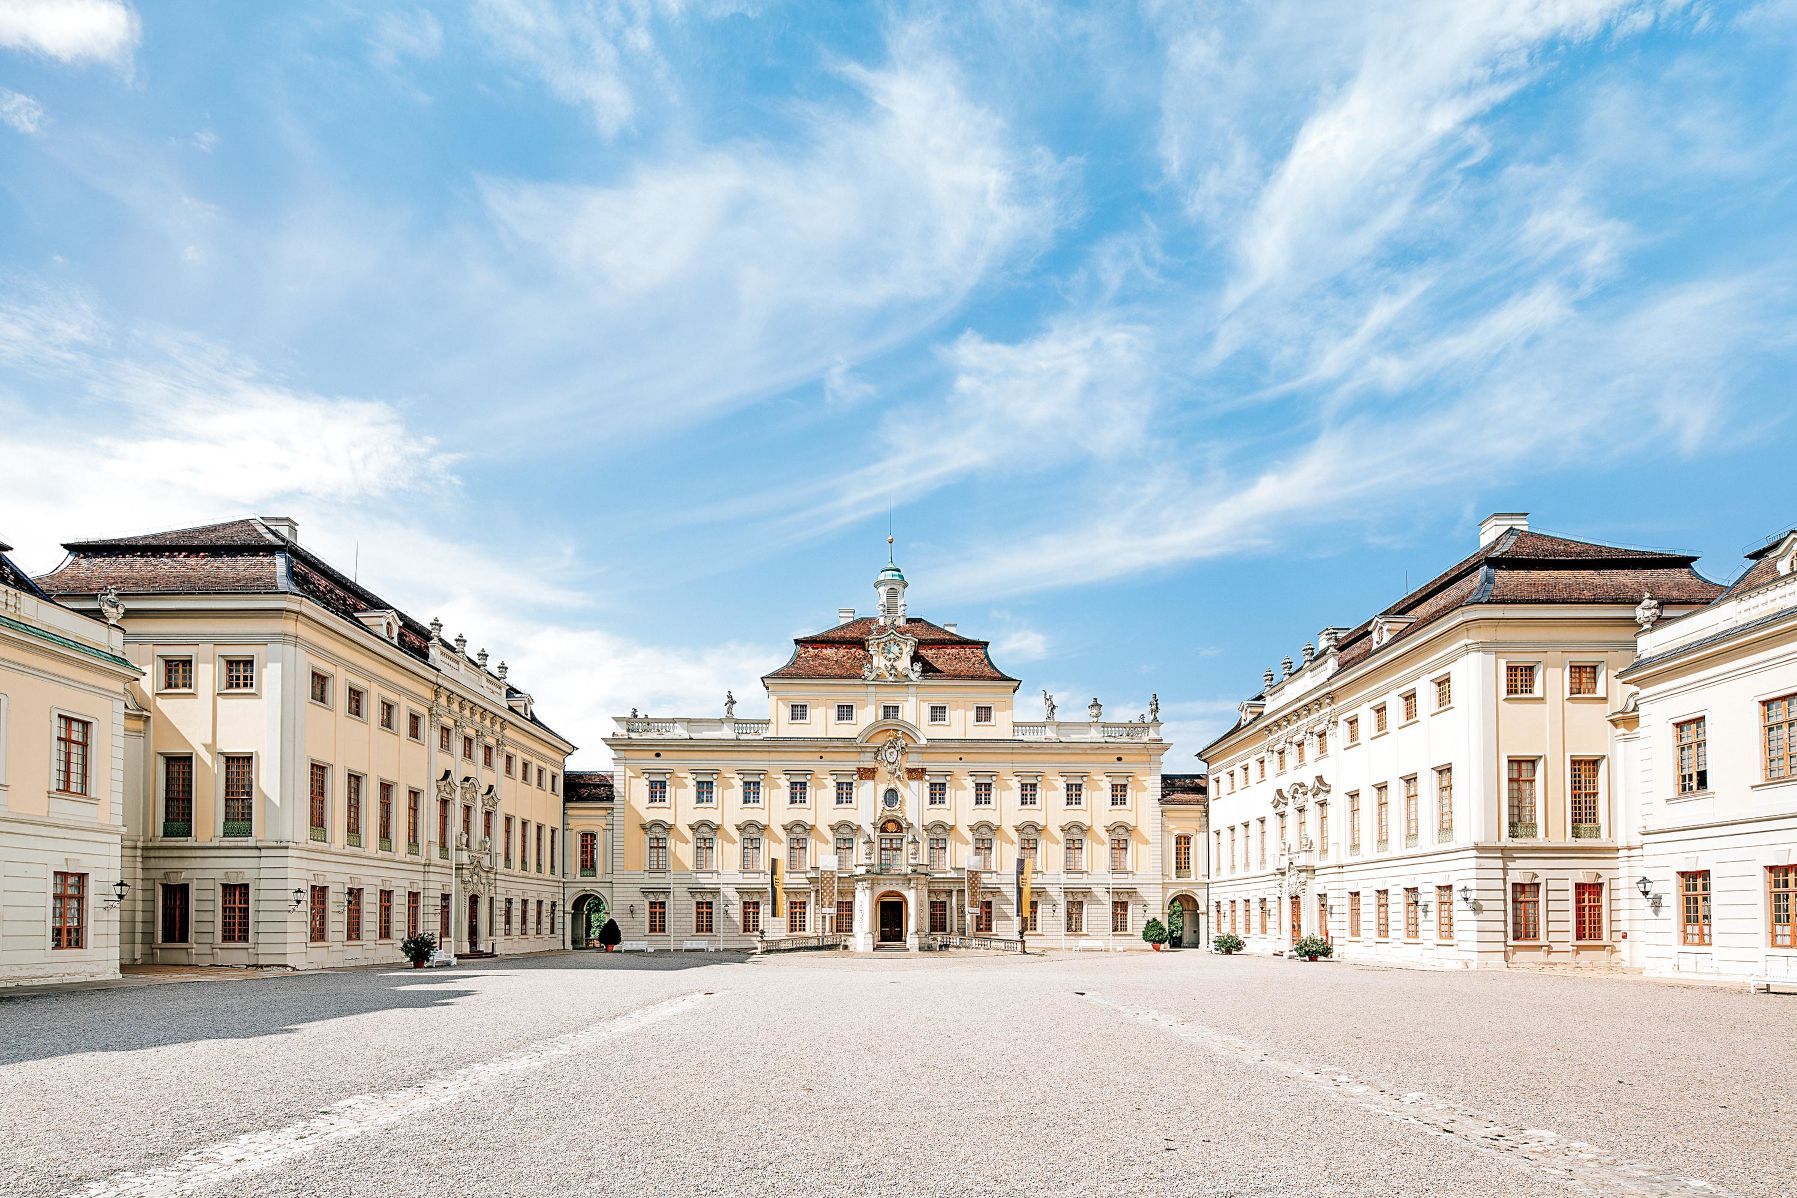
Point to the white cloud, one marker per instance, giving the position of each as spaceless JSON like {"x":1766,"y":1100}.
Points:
{"x":1020,"y":645}
{"x":70,"y":30}
{"x":398,"y":36}
{"x":20,"y":111}
{"x":590,"y":53}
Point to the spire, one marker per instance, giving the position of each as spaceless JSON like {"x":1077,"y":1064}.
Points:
{"x":890,"y":586}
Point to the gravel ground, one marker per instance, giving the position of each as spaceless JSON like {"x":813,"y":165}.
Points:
{"x":1135,"y":1074}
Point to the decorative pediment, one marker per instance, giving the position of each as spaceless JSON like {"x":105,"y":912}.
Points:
{"x":1280,"y":801}
{"x":1386,"y":627}
{"x":890,"y":657}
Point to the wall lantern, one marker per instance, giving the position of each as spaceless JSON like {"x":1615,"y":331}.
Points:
{"x":1645,"y":886}
{"x":1466,"y":895}
{"x":299,"y":898}
{"x":119,"y":889}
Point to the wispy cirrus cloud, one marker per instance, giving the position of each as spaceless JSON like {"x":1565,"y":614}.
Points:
{"x":20,"y":111}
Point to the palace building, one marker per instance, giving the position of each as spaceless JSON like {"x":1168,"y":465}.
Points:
{"x":887,"y":800}
{"x":1436,"y":785}
{"x":322,"y":774}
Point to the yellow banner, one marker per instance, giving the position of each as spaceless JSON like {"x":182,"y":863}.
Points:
{"x":773,"y":881}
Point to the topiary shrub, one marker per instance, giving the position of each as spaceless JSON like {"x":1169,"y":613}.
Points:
{"x":1155,"y":932}
{"x":1228,"y":943}
{"x":1311,"y":946}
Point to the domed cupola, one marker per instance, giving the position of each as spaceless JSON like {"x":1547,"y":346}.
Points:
{"x":890,"y":585}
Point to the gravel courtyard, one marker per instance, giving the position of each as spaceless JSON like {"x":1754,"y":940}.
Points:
{"x":807,"y":1074}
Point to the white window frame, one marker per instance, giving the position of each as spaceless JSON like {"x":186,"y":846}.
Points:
{"x":193,"y":668}
{"x":941,"y":708}
{"x":222,"y":665}
{"x":798,"y":713}
{"x":845,"y":713}
{"x":93,"y":749}
{"x":984,"y":713}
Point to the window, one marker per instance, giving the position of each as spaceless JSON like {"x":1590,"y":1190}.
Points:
{"x":68,"y":910}
{"x":1525,"y":911}
{"x":1119,"y":794}
{"x":511,"y":765}
{"x":1260,"y":764}
{"x":177,"y":795}
{"x":751,"y":915}
{"x":384,"y":924}
{"x":1323,"y":828}
{"x":1588,"y":911}
{"x":442,"y":827}
{"x":320,"y":794}
{"x":1408,"y":699}
{"x":798,"y":913}
{"x":384,"y":804}
{"x":539,"y":777}
{"x":1444,"y":802}
{"x":1075,"y":852}
{"x":1119,"y":916}
{"x":443,"y":738}
{"x":798,"y":790}
{"x":1182,"y":856}
{"x":1076,"y":794}
{"x":845,"y":713}
{"x":799,"y":713}
{"x":1353,"y":821}
{"x":938,"y":794}
{"x":467,"y":748}
{"x":1781,"y":891}
{"x":415,"y":725}
{"x":751,"y":792}
{"x":486,"y":756}
{"x":352,"y":913}
{"x":1120,"y":853}
{"x":1029,"y":848}
{"x":705,"y":849}
{"x":658,"y":852}
{"x":1444,"y":912}
{"x":751,"y":853}
{"x":1412,"y":906}
{"x":705,"y":791}
{"x":174,"y":913}
{"x":1778,"y":721}
{"x":240,"y":673}
{"x":1279,"y":761}
{"x":1694,"y":907}
{"x":318,"y":914}
{"x":1076,"y":914}
{"x":1520,"y":796}
{"x":414,"y":813}
{"x":1300,"y":747}
{"x":234,"y":913}
{"x":321,"y":688}
{"x":1378,"y":719}
{"x":845,"y":792}
{"x":74,"y":746}
{"x":982,"y":713}
{"x":658,"y":792}
{"x":1444,"y":692}
{"x":658,"y":916}
{"x":702,"y":922}
{"x":1027,"y":793}
{"x":1382,"y":914}
{"x":352,"y":824}
{"x":1581,"y":678}
{"x":982,"y":851}
{"x":889,"y":711}
{"x":414,"y":912}
{"x":938,"y":851}
{"x":1322,"y":742}
{"x":939,"y":713}
{"x":982,"y":920}
{"x":1382,"y":816}
{"x":982,"y":794}
{"x":1353,"y":729}
{"x":177,"y":673}
{"x":355,"y":702}
{"x":1519,"y":679}
{"x":1411,"y":820}
{"x":542,"y":858}
{"x":442,"y":918}
{"x":1354,"y":915}
{"x":938,"y":917}
{"x":797,"y":851}
{"x":845,"y":851}
{"x":1262,"y":912}
{"x":506,"y":841}
{"x":389,"y":716}
{"x":589,"y":854}
{"x":1582,"y":799}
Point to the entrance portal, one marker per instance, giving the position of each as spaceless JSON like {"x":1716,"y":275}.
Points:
{"x":589,"y":917}
{"x":891,"y":919}
{"x":473,"y":923}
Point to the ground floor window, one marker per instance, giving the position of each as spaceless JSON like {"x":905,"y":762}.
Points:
{"x":1263,"y":917}
{"x":352,"y":914}
{"x":1033,"y":919}
{"x":318,"y":917}
{"x":68,"y":910}
{"x":1353,"y":915}
{"x":1076,"y":915}
{"x":1781,"y":889}
{"x":385,"y":926}
{"x":1382,"y":914}
{"x":174,"y":912}
{"x":414,"y":912}
{"x":1119,"y":915}
{"x":797,"y":914}
{"x":1694,"y":907}
{"x":539,"y":922}
{"x":1444,"y":912}
{"x":1588,"y":911}
{"x":845,"y":915}
{"x":751,"y":915}
{"x":234,"y":913}
{"x":983,"y":919}
{"x":1525,"y":910}
{"x":1412,"y":909}
{"x":658,"y":916}
{"x":443,"y":919}
{"x":508,"y":917}
{"x":938,"y":916}
{"x":702,"y":917}
{"x":1323,"y":916}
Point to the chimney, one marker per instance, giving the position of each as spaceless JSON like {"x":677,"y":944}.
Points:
{"x":1498,"y":523}
{"x":844,"y":615}
{"x":282,"y":526}
{"x":954,"y":628}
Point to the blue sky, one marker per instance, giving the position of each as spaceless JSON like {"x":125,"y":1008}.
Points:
{"x":1171,"y":333}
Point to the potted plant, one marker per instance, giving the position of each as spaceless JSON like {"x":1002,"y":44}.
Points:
{"x":1155,"y":933}
{"x":1311,"y":947}
{"x":418,"y":949}
{"x":1228,"y":943}
{"x":610,"y":935}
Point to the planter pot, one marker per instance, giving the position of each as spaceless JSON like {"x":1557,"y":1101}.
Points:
{"x":1158,"y":947}
{"x":418,"y":964}
{"x":1310,"y":956}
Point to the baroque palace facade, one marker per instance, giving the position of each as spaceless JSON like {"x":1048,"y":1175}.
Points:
{"x":888,"y":799}
{"x":317,"y":774}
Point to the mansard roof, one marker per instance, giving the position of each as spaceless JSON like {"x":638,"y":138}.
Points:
{"x":841,"y":652}
{"x":17,"y":579}
{"x":1764,"y":568}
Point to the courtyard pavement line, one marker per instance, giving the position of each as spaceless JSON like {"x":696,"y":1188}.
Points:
{"x":1534,"y":1148}
{"x":253,"y":1152}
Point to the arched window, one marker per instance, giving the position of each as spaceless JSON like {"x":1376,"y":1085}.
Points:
{"x":705,"y":849}
{"x":589,"y":854}
{"x":892,"y":845}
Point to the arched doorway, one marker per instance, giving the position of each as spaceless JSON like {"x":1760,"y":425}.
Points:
{"x":889,"y":920}
{"x":589,"y":917}
{"x":1190,"y":934}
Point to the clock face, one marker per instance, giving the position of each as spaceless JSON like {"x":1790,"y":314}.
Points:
{"x":892,"y":650}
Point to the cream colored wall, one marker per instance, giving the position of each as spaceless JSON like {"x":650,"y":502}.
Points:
{"x":914,"y":700}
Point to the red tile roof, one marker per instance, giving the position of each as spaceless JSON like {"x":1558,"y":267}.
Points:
{"x":587,"y":786}
{"x":1184,"y":790}
{"x":841,"y":652}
